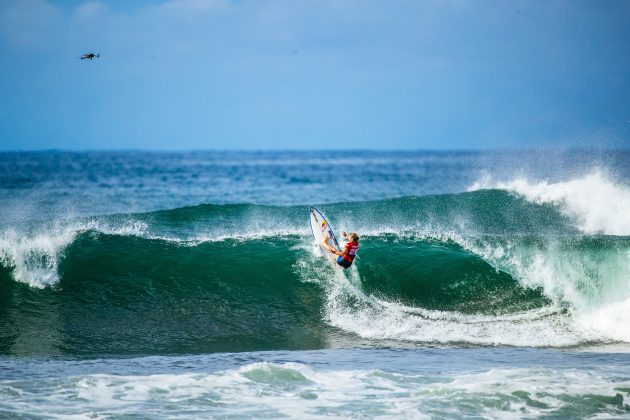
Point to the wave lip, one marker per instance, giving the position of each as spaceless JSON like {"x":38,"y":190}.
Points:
{"x":34,"y":257}
{"x":598,"y":203}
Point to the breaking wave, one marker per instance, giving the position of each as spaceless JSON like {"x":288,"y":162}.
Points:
{"x":519,"y":263}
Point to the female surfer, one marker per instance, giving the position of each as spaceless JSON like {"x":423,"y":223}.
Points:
{"x":350,"y":251}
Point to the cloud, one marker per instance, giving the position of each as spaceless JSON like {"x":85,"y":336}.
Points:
{"x":26,"y":23}
{"x":39,"y":23}
{"x":193,"y":7}
{"x":90,"y":10}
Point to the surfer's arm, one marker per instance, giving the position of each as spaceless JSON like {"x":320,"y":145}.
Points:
{"x":340,"y":253}
{"x":330,"y":248}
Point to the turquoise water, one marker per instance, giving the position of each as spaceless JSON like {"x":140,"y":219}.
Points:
{"x":167,"y":284}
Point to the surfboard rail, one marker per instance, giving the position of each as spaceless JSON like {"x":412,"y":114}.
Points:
{"x":320,"y":227}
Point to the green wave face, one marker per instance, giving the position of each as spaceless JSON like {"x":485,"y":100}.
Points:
{"x":484,"y":267}
{"x":128,"y":295}
{"x":122,"y":294}
{"x":441,"y":276}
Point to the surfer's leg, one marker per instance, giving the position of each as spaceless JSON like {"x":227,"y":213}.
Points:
{"x":343,"y":262}
{"x":325,"y":243}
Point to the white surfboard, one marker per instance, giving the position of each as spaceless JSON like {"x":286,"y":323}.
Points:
{"x":321,"y":227}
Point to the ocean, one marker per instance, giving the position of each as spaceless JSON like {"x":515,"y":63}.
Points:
{"x":489,"y":284}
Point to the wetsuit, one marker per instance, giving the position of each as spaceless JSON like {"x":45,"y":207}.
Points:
{"x":350,"y":252}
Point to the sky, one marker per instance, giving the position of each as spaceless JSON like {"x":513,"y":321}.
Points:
{"x":306,"y":74}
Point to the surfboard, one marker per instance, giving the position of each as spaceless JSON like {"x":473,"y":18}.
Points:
{"x":320,"y":226}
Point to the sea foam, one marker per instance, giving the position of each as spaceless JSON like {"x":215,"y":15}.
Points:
{"x":34,"y":256}
{"x":598,"y":203}
{"x":295,"y":390}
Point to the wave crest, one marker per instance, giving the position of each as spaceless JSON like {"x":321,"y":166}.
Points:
{"x":598,"y":203}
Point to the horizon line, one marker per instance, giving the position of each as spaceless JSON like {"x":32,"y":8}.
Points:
{"x":290,"y":150}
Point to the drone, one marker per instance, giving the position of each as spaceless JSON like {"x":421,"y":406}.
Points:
{"x":89,"y":56}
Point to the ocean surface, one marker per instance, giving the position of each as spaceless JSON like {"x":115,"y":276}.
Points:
{"x":186,"y":284}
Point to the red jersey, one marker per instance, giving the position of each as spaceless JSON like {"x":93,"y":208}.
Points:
{"x":350,"y":251}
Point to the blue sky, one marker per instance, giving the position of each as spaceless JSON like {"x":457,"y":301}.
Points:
{"x":403,"y":74}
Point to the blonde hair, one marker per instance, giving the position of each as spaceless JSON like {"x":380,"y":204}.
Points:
{"x":354,"y":236}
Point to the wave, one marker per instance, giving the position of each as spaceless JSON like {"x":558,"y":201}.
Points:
{"x":482,"y":267}
{"x":297,"y":390}
{"x":34,"y":257}
{"x":595,"y":201}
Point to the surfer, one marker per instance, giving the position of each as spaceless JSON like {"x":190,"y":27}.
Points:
{"x":350,"y":251}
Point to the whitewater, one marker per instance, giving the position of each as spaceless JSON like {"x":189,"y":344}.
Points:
{"x":519,"y":265}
